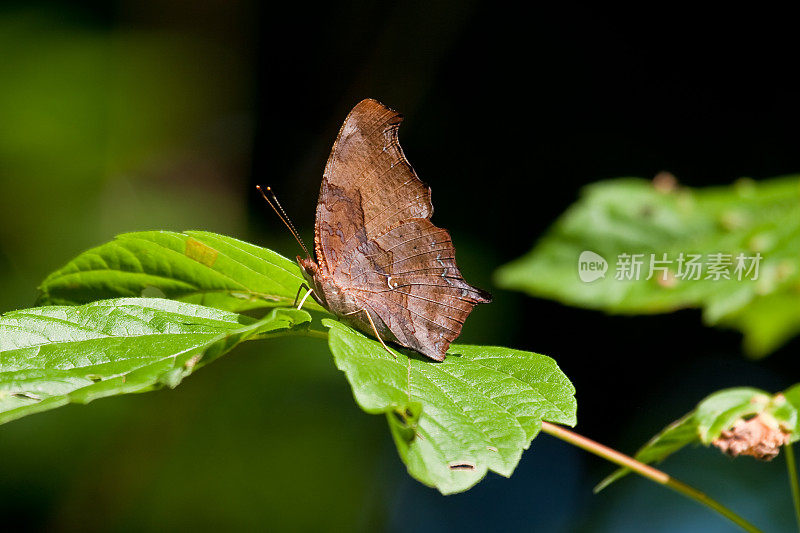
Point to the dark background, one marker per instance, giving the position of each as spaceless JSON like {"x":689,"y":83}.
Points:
{"x":128,"y":116}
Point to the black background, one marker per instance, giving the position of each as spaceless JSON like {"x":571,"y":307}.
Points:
{"x":511,"y":109}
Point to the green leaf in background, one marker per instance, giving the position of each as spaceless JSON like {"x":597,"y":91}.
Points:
{"x":105,"y":127}
{"x":52,"y":356}
{"x":453,"y":421}
{"x":715,"y":414}
{"x":194,"y":266}
{"x":635,"y":216}
{"x":671,"y":439}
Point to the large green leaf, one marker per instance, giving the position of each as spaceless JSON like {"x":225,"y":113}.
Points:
{"x":453,"y":421}
{"x":51,"y":356}
{"x":716,"y":413}
{"x":632,"y":216}
{"x":194,"y":266}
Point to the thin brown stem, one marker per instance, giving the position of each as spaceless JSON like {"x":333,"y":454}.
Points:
{"x":646,"y":471}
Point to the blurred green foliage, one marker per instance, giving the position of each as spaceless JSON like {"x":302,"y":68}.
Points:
{"x":111,"y":129}
{"x":715,"y":414}
{"x":100,"y":126}
{"x":633,"y":216}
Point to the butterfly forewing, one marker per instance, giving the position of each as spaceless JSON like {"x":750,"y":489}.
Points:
{"x":368,"y":165}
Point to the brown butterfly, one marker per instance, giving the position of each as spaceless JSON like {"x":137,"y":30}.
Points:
{"x":381,"y":265}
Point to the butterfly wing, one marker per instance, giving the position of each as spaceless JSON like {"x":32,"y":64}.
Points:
{"x":368,"y":182}
{"x":374,"y":237}
{"x":408,"y":277}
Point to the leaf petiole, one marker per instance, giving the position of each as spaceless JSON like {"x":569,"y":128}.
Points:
{"x":646,"y":471}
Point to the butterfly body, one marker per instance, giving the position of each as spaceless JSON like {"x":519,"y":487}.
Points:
{"x":381,"y":265}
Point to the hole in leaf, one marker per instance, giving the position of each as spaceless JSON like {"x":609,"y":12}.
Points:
{"x":27,"y":396}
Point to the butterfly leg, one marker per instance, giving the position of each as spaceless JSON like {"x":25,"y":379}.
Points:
{"x":297,"y":296}
{"x":374,"y":329}
{"x":377,"y":335}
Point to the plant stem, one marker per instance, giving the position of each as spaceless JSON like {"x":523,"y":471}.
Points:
{"x":791,"y":467}
{"x":647,"y":471}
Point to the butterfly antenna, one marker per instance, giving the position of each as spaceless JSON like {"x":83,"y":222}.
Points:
{"x":278,"y":208}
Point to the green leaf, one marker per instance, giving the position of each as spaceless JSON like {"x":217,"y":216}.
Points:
{"x":51,"y":356}
{"x":632,"y":216}
{"x":792,"y":395}
{"x":671,"y":439}
{"x":453,"y":421}
{"x":720,"y":410}
{"x":711,"y":417}
{"x":195,"y":267}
